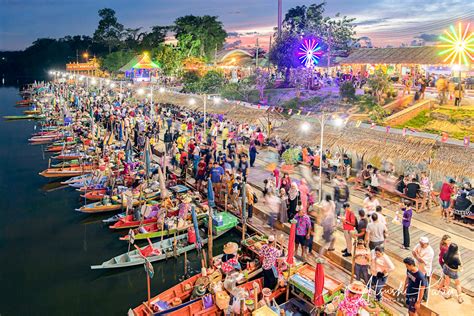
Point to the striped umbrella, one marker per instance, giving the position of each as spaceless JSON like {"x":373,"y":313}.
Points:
{"x":196,"y":228}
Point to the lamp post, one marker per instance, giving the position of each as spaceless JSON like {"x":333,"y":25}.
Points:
{"x":338,"y":122}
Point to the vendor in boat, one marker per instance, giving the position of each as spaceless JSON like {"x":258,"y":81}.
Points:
{"x":269,"y":255}
{"x":230,"y":260}
{"x":353,"y":301}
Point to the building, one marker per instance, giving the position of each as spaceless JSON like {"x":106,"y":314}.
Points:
{"x":89,"y":68}
{"x":141,"y":69}
{"x":400,"y":61}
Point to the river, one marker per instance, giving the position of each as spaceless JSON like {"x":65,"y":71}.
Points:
{"x":46,"y":249}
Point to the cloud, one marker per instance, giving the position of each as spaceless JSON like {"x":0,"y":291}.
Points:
{"x":232,"y":34}
{"x":428,"y":37}
{"x":370,"y":22}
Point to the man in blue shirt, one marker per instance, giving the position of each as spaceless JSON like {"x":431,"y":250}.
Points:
{"x":415,"y":286}
{"x":216,"y":174}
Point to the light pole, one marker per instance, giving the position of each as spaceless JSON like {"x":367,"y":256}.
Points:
{"x":338,"y":122}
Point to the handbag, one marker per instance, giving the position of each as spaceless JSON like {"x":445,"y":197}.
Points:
{"x":207,"y":301}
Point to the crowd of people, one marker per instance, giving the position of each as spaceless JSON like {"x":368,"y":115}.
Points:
{"x":225,"y":152}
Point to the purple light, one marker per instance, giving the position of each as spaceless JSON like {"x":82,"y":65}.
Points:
{"x":309,"y":53}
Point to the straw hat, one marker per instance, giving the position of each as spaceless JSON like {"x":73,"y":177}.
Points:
{"x":230,"y":248}
{"x":357,"y":287}
{"x":271,"y":238}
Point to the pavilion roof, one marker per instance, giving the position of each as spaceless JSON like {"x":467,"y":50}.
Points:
{"x":140,"y":62}
{"x":422,"y":55}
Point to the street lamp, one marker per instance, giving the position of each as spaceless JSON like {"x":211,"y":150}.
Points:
{"x":162,"y":90}
{"x":192,"y":101}
{"x":323,"y":120}
{"x":140,"y":91}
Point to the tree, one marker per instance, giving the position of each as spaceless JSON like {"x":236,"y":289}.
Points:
{"x":200,"y":35}
{"x":347,"y":90}
{"x":212,"y":82}
{"x":191,"y":82}
{"x":299,"y":77}
{"x":261,"y":80}
{"x":282,"y":53}
{"x":114,"y":61}
{"x":132,"y":37}
{"x":109,"y":31}
{"x":339,"y":32}
{"x":241,"y":90}
{"x":155,"y":38}
{"x":379,"y":82}
{"x":170,"y":59}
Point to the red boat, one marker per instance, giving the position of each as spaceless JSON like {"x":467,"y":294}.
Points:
{"x":94,"y":195}
{"x":56,"y":149}
{"x":129,"y":222}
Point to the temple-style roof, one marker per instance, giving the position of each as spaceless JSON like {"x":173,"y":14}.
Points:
{"x":421,"y":55}
{"x":140,"y":62}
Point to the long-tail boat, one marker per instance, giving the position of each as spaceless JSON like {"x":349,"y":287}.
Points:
{"x":66,"y":172}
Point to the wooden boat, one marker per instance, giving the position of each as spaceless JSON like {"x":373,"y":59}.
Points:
{"x":80,"y":178}
{"x":23,"y":102}
{"x":95,"y":195}
{"x":66,"y":172}
{"x":28,"y":112}
{"x":19,"y":117}
{"x":181,"y":291}
{"x":154,"y":231}
{"x":68,"y":163}
{"x":56,"y":149}
{"x":70,"y":156}
{"x":114,"y":219}
{"x":46,"y":138}
{"x":100,"y":207}
{"x":129,"y":222}
{"x":157,"y":251}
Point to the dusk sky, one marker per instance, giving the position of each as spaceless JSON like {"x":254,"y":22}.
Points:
{"x":386,"y":22}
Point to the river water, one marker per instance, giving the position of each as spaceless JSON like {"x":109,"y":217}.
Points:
{"x":46,"y":249}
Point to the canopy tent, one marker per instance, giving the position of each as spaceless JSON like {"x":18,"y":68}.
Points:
{"x":140,"y":68}
{"x":421,"y":55}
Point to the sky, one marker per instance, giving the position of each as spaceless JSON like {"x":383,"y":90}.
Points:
{"x":385,"y":22}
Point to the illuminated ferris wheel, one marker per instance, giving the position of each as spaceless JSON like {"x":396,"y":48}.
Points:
{"x":310,"y":51}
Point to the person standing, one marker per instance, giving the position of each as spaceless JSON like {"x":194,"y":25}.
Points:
{"x":349,"y":223}
{"x":458,"y":94}
{"x":269,"y":255}
{"x":452,"y":266}
{"x":406,"y":223}
{"x":424,"y":255}
{"x":303,"y":229}
{"x":283,"y":215}
{"x":415,"y":285}
{"x":293,"y":197}
{"x":216,"y":174}
{"x":362,"y":262}
{"x":341,"y":195}
{"x":447,"y":190}
{"x":361,"y":226}
{"x":376,"y":233}
{"x":329,"y":225}
{"x":381,"y":266}
{"x":250,"y":197}
{"x":225,"y":136}
{"x":252,"y":153}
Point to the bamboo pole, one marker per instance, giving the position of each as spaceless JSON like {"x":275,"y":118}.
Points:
{"x":354,"y":246}
{"x":209,"y":233}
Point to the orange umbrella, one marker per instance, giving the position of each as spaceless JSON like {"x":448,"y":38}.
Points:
{"x":287,"y":169}
{"x":271,"y":166}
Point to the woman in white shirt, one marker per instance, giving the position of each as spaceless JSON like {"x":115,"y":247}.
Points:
{"x":380,"y":267}
{"x":370,"y":203}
